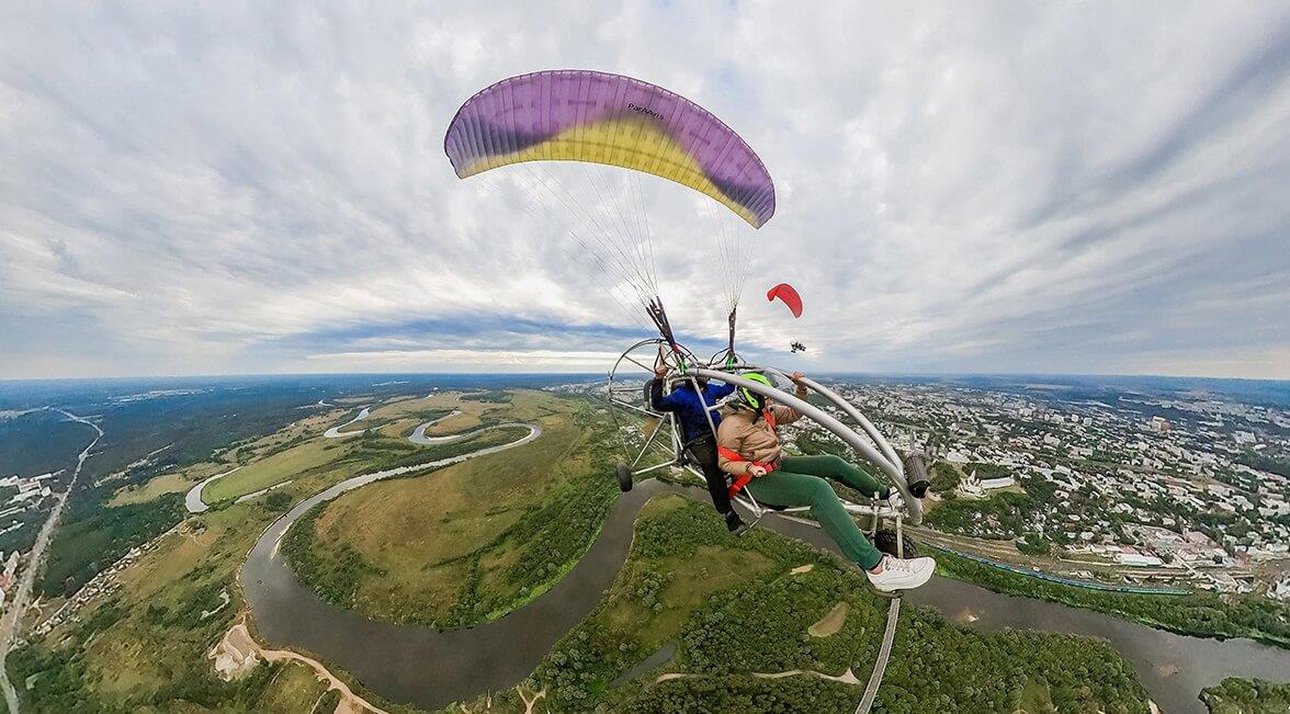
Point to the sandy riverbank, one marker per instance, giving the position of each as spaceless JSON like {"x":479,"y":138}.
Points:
{"x":237,"y":653}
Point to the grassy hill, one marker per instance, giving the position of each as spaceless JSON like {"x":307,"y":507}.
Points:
{"x":470,"y":541}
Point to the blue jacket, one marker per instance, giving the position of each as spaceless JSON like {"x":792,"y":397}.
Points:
{"x":684,"y":402}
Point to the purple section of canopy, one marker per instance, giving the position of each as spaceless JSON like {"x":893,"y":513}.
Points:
{"x":520,"y":112}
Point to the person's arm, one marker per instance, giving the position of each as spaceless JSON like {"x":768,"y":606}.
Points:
{"x":709,"y":396}
{"x":728,"y":439}
{"x":788,"y":415}
{"x":659,"y":401}
{"x":720,"y":391}
{"x":669,"y":402}
{"x":656,"y":394}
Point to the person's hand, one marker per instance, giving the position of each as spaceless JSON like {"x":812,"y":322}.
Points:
{"x":797,"y":378}
{"x":756,"y":471}
{"x":660,"y":371}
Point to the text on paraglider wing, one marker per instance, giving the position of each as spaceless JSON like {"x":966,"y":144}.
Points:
{"x":644,"y":110}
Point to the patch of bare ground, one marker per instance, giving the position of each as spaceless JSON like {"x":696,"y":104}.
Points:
{"x":237,"y":653}
{"x":830,"y":623}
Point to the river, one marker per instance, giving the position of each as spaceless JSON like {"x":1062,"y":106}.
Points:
{"x":1174,"y":668}
{"x":430,"y":669}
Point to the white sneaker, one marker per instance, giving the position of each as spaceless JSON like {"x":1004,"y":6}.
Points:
{"x":901,"y":573}
{"x":894,"y":500}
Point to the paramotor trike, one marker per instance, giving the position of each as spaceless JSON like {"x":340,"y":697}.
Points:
{"x":653,"y":442}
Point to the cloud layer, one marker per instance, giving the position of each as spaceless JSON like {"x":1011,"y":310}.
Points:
{"x":231,"y":187}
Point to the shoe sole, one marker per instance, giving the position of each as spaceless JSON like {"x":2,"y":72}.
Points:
{"x":895,"y":594}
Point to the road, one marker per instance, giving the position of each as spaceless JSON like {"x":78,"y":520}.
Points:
{"x":12,"y":620}
{"x":880,"y":664}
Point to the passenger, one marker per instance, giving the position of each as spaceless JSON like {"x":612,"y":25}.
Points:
{"x":697,"y":433}
{"x":748,"y":448}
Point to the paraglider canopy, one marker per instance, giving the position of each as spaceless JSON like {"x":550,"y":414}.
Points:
{"x":788,"y":295}
{"x":549,"y":126}
{"x":583,"y":115}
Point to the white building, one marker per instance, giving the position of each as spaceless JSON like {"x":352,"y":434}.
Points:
{"x":1138,"y":560}
{"x":975,"y":487}
{"x":1280,"y":590}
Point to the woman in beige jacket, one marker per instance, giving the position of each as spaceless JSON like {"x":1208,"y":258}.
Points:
{"x":749,"y":449}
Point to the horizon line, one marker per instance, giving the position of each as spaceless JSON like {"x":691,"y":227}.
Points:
{"x":835,"y":373}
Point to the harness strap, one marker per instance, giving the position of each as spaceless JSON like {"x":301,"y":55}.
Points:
{"x":743,"y":479}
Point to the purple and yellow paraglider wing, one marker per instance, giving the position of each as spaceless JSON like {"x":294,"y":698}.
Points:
{"x":581,"y":115}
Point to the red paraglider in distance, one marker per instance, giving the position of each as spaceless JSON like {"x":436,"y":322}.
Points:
{"x":788,"y":295}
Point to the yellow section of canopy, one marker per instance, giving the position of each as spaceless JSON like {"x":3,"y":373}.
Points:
{"x":637,"y":143}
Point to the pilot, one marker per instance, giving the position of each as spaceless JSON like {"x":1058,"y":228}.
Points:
{"x":698,"y":434}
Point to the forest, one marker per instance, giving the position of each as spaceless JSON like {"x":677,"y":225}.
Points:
{"x":756,"y":623}
{"x":1247,"y":696}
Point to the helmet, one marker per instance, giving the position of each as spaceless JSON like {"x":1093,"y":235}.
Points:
{"x":751,"y":398}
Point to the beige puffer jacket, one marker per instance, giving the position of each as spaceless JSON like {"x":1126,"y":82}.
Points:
{"x":752,"y":438}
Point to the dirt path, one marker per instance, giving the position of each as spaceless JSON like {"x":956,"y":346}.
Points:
{"x":530,"y":703}
{"x":847,"y":677}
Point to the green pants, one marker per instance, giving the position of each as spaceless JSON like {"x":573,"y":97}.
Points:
{"x":799,"y":481}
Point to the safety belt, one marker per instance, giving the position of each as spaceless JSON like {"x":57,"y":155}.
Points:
{"x":743,"y":479}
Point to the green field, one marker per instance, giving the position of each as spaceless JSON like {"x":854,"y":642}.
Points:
{"x":311,"y":457}
{"x":470,"y":541}
{"x":302,"y":453}
{"x":144,"y":646}
{"x":176,"y":482}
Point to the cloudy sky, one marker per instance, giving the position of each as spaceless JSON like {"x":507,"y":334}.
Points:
{"x":1083,"y":187}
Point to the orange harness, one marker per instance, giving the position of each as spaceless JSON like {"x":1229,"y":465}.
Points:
{"x":730,"y":455}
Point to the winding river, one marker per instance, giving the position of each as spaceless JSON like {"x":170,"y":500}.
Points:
{"x":419,"y":433}
{"x":336,"y":433}
{"x":193,"y":499}
{"x":430,"y":668}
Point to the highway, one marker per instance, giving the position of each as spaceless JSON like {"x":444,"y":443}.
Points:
{"x":12,"y":620}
